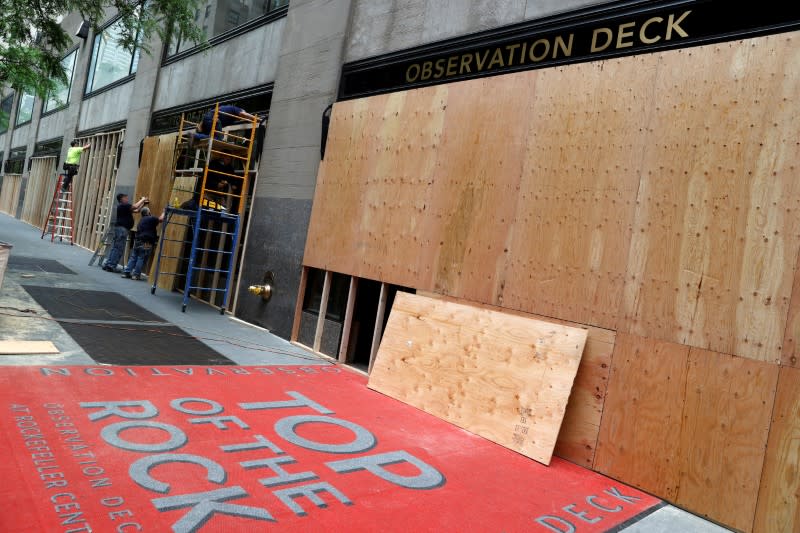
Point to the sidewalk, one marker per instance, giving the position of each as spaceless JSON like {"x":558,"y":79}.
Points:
{"x":82,"y":458}
{"x":241,"y":343}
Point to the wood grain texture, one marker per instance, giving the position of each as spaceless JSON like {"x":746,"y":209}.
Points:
{"x":12,"y":347}
{"x":726,"y":419}
{"x":790,"y":355}
{"x":640,"y":434}
{"x":39,"y":191}
{"x":577,"y":439}
{"x":717,"y":230}
{"x":580,"y":178}
{"x":501,"y":376}
{"x":779,"y":495}
{"x":9,"y":194}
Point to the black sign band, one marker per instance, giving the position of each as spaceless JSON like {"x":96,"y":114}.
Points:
{"x":611,"y":30}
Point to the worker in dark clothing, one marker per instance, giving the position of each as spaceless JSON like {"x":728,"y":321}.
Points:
{"x":146,"y":238}
{"x":122,"y":226}
{"x":220,"y":178}
{"x":227,"y":115}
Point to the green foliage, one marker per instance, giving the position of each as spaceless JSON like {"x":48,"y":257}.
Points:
{"x":32,"y":42}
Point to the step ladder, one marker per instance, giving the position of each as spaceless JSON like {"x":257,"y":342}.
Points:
{"x":59,"y":218}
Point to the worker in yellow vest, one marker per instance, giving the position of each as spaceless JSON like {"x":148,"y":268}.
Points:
{"x":71,"y":163}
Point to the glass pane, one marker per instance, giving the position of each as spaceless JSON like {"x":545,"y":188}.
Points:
{"x":25,"y":111}
{"x":110,"y":61}
{"x":5,"y":112}
{"x":60,"y":97}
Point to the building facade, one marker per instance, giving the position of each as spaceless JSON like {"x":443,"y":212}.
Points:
{"x":629,"y":167}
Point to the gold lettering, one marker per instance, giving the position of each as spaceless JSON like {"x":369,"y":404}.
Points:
{"x":511,"y":48}
{"x":439,"y":68}
{"x":466,"y":61}
{"x":452,"y":63}
{"x":536,"y":58}
{"x":522,"y":55}
{"x":411,"y":78}
{"x":426,"y":71}
{"x":643,"y":36}
{"x":566,"y":48}
{"x":674,"y":24}
{"x":609,"y":39}
{"x":481,"y":60}
{"x":623,"y":34}
{"x":497,"y":58}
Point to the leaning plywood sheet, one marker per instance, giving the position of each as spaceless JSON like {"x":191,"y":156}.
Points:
{"x":504,"y":377}
{"x":11,"y":347}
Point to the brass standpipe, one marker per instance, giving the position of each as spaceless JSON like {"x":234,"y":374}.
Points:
{"x":265,"y":289}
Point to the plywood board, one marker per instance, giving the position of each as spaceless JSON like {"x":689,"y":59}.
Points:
{"x":577,"y":440}
{"x":640,"y":435}
{"x":717,"y":230}
{"x":155,"y":179}
{"x":724,"y":435}
{"x":779,"y":495}
{"x":12,"y":347}
{"x":501,"y":376}
{"x":576,"y":202}
{"x":790,"y":352}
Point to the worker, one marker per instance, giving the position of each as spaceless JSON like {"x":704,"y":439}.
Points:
{"x":227,"y":115}
{"x":146,"y":238}
{"x":72,"y":162}
{"x":122,"y":227}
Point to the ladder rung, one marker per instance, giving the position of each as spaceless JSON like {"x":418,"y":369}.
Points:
{"x":204,"y":288}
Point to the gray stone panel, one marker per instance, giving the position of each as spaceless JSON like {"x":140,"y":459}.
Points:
{"x":52,"y":126}
{"x":381,"y":26}
{"x":543,"y":8}
{"x":245,"y":61}
{"x":276,"y":241}
{"x":19,"y":137}
{"x":107,"y":107}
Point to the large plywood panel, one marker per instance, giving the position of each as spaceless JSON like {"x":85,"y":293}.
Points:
{"x":501,"y":376}
{"x":580,"y":179}
{"x":640,"y":435}
{"x":577,"y":440}
{"x":779,"y":496}
{"x":724,"y":435}
{"x":155,"y":178}
{"x":717,"y":229}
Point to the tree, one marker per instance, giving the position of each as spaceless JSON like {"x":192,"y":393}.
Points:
{"x":32,"y":42}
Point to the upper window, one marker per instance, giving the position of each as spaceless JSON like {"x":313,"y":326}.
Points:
{"x":25,"y":109}
{"x":224,"y":15}
{"x":5,"y":111}
{"x":110,"y":61}
{"x":60,"y":96}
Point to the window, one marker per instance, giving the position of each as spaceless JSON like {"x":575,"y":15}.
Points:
{"x":16,"y":161}
{"x":25,"y":109}
{"x":60,"y":96}
{"x":5,"y":112}
{"x":110,"y":61}
{"x":225,"y":15}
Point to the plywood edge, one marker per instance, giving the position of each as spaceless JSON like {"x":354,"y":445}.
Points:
{"x":14,"y":347}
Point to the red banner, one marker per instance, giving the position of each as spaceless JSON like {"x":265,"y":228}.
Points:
{"x":189,"y":449}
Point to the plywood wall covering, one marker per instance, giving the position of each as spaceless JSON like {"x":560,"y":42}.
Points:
{"x":640,"y":435}
{"x":779,"y":497}
{"x":727,"y":412}
{"x":717,"y":228}
{"x":660,"y":188}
